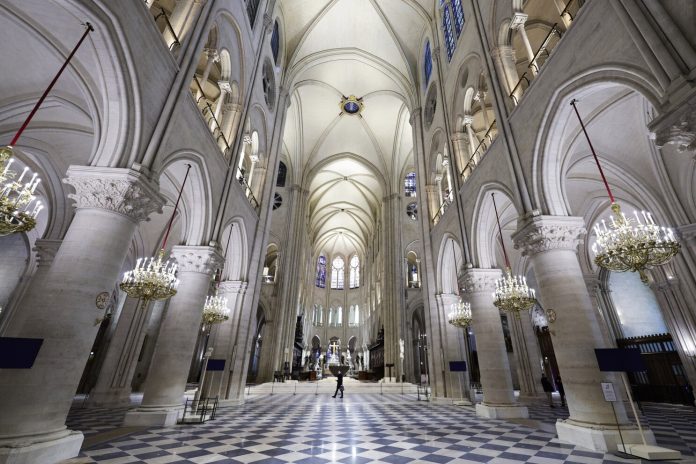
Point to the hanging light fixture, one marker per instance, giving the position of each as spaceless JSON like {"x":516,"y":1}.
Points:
{"x":460,"y":316}
{"x":18,"y":211}
{"x":512,"y":294}
{"x":215,"y":309}
{"x":154,"y":278}
{"x":633,"y":244}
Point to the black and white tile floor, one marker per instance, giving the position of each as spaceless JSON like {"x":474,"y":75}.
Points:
{"x":358,"y":429}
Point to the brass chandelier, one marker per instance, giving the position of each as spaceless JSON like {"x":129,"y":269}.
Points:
{"x":512,"y":294}
{"x":17,"y":208}
{"x":155,"y":278}
{"x":215,"y":310}
{"x":633,"y":244}
{"x":18,"y":211}
{"x":460,"y":316}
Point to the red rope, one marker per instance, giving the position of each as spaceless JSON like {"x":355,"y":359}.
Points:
{"x":50,"y":86}
{"x":589,"y":142}
{"x":500,"y":231}
{"x":176,"y":206}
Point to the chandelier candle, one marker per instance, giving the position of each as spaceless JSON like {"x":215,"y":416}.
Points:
{"x":215,"y":310}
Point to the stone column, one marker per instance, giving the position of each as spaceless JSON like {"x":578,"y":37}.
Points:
{"x":498,"y":395}
{"x":166,"y":381}
{"x":473,"y":140}
{"x":526,"y":350}
{"x":454,"y":349}
{"x":460,"y":153}
{"x":231,"y":113}
{"x":113,"y":386}
{"x":212,"y":56}
{"x":551,"y":243}
{"x":45,"y":253}
{"x":61,"y":310}
{"x":505,"y":59}
{"x":224,"y":342}
{"x":440,"y":199}
{"x":225,"y":88}
{"x":157,"y":311}
{"x":518,"y":22}
{"x":448,"y":172}
{"x":431,"y":192}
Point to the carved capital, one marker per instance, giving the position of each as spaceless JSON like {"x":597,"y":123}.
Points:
{"x":200,"y":259}
{"x":543,"y":233}
{"x":677,"y":128}
{"x":45,"y":251}
{"x":481,"y":280}
{"x":268,"y":23}
{"x":468,"y":120}
{"x":124,"y":191}
{"x":518,"y":20}
{"x":224,"y":86}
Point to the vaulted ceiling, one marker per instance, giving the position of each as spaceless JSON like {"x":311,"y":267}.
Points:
{"x":349,"y":162}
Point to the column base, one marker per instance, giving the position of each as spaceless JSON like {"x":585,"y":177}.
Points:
{"x":108,"y":400}
{"x":602,"y":438}
{"x":50,"y":451}
{"x":511,"y":411}
{"x":152,"y":417}
{"x":231,"y":402}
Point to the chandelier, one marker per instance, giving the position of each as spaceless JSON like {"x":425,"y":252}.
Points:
{"x":154,"y":278}
{"x":512,"y":294}
{"x":460,"y":316}
{"x":151,"y":279}
{"x":17,"y":208}
{"x":215,"y":310}
{"x":629,"y":244}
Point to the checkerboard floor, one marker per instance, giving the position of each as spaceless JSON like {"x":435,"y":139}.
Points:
{"x":358,"y":429}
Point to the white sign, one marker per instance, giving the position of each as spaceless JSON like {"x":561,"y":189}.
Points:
{"x":608,"y":391}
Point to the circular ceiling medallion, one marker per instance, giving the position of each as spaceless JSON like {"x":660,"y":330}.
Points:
{"x":352,"y":105}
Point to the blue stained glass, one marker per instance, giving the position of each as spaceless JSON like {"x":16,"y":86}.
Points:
{"x":275,"y":42}
{"x":428,"y":63}
{"x":458,"y":16}
{"x":321,"y":272}
{"x":351,"y":107}
{"x":410,"y":184}
{"x":447,"y":31}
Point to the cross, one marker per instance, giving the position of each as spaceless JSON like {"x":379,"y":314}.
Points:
{"x":334,"y":347}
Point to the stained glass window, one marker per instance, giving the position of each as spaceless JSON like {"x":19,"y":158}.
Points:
{"x":410,"y":184}
{"x":354,"y":272}
{"x":275,"y":42}
{"x":337,"y":273}
{"x":447,"y":32}
{"x":282,"y":174}
{"x":427,"y":63}
{"x":321,"y":272}
{"x":458,"y":16}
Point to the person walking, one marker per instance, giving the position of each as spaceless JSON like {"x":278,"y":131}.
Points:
{"x":548,"y":388}
{"x":561,"y":391}
{"x":339,"y":384}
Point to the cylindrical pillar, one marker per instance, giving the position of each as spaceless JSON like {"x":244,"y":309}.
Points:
{"x":60,"y":313}
{"x":551,"y":243}
{"x":166,"y":381}
{"x":496,"y":380}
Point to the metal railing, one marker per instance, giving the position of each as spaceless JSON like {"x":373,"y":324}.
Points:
{"x":204,"y":105}
{"x":480,"y":150}
{"x":441,"y":211}
{"x":545,"y":48}
{"x":571,"y":9}
{"x":200,"y":410}
{"x":208,"y":114}
{"x":519,"y":88}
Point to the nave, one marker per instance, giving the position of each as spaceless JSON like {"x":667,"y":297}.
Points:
{"x":361,"y":428}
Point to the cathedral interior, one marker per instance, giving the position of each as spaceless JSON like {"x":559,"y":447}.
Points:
{"x":473,"y":219}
